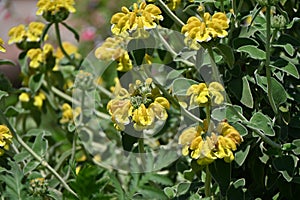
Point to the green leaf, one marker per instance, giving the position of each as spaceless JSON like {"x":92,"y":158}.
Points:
{"x":241,"y":155}
{"x":150,"y":192}
{"x":262,"y":122}
{"x":35,"y":82}
{"x":290,"y":69}
{"x":243,"y":41}
{"x":227,"y":54}
{"x":30,"y":166}
{"x":7,"y":62}
{"x":12,"y":111}
{"x":40,"y":145}
{"x":14,"y":188}
{"x":236,"y":190}
{"x":183,"y":188}
{"x":160,"y":179}
{"x":3,"y":94}
{"x":287,"y":47}
{"x":37,"y":132}
{"x":278,"y":90}
{"x":170,"y":192}
{"x":290,"y":25}
{"x":253,"y":51}
{"x":221,"y":172}
{"x":286,"y":165}
{"x":297,"y":144}
{"x":117,"y":186}
{"x":247,"y":98}
{"x":181,"y":85}
{"x":227,"y":112}
{"x":240,"y":128}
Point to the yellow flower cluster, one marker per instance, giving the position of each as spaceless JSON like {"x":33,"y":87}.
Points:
{"x":68,"y":114}
{"x":55,"y":6}
{"x":205,"y":149}
{"x":112,"y":49}
{"x":21,"y":33}
{"x":2,"y":49}
{"x":202,"y":95}
{"x":70,"y":49}
{"x":141,"y":17}
{"x":24,"y":97}
{"x":39,"y":56}
{"x":5,"y":139}
{"x":172,"y":4}
{"x":38,"y":99}
{"x":142,"y":104}
{"x":207,"y":28}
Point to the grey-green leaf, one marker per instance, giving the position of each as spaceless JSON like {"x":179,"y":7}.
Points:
{"x":247,"y":98}
{"x":263,"y":123}
{"x":253,"y":51}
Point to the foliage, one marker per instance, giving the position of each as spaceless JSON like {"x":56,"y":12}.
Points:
{"x":214,"y":80}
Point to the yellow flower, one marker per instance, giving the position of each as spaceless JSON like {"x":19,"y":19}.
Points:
{"x":174,"y":4}
{"x":39,"y":56}
{"x":36,"y":56}
{"x":120,"y":110}
{"x":215,"y":89}
{"x":70,"y":50}
{"x":202,"y":95}
{"x":142,"y":117}
{"x":159,"y":107}
{"x":199,"y":94}
{"x":34,"y":32}
{"x":55,"y":6}
{"x":187,"y":137}
{"x":141,"y":17}
{"x":68,"y":114}
{"x":38,"y":100}
{"x":140,"y":105}
{"x":124,"y":63}
{"x":112,"y":49}
{"x":17,"y":34}
{"x":24,"y":97}
{"x":2,"y":49}
{"x":216,"y":145}
{"x":217,"y":24}
{"x":20,"y":33}
{"x":196,"y":30}
{"x":206,"y":28}
{"x":5,"y":139}
{"x":230,"y":132}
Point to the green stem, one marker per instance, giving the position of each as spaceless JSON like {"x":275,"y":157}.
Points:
{"x":214,"y":67}
{"x":268,"y":55}
{"x":207,"y":182}
{"x":35,"y":155}
{"x":207,"y":107}
{"x":57,"y":32}
{"x":170,"y":13}
{"x":142,"y":151}
{"x":265,"y":138}
{"x":74,"y":101}
{"x":222,"y":6}
{"x":170,"y":50}
{"x":172,"y":100}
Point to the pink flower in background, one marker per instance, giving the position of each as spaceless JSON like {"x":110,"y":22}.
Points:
{"x":88,"y":34}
